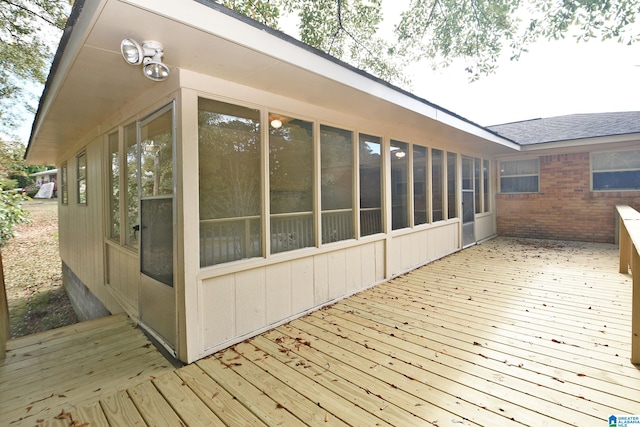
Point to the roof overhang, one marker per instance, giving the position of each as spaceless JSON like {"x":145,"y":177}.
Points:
{"x":90,"y":81}
{"x":582,"y":142}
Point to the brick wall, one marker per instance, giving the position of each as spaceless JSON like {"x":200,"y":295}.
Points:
{"x":565,"y":208}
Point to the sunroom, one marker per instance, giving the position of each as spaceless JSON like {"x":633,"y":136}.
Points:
{"x":261,"y":180}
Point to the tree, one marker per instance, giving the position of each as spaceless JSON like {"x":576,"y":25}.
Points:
{"x":478,"y":31}
{"x":27,"y":28}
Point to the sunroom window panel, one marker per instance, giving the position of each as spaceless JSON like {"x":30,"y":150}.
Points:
{"x":114,"y":187}
{"x":230,"y":179}
{"x":291,"y":183}
{"x":420,"y":185}
{"x":130,"y":200}
{"x":399,"y":185}
{"x":452,"y":185}
{"x":477,"y":174}
{"x":336,"y":176}
{"x":81,"y":180}
{"x":64,"y":185}
{"x":437,"y":185}
{"x":370,"y":184}
{"x":485,"y":185}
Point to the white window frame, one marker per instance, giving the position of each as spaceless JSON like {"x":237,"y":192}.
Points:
{"x":591,"y":171}
{"x":501,"y":176}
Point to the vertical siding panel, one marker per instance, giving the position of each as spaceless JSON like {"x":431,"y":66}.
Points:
{"x":321,"y":279}
{"x":381,"y":255}
{"x":278,"y":288}
{"x":353,"y":271}
{"x":251,"y":313}
{"x":302,"y":289}
{"x":394,"y":255}
{"x":416,"y":243}
{"x":368,"y":264}
{"x":337,"y":274}
{"x":218,"y":309}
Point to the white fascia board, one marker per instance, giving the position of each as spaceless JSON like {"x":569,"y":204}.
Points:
{"x":229,"y":28}
{"x":79,"y":33}
{"x":583,"y":142}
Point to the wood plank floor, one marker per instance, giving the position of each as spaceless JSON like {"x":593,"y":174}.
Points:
{"x":74,"y":365}
{"x":510,"y":332}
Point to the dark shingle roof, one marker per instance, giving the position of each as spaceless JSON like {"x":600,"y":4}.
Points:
{"x":574,"y":126}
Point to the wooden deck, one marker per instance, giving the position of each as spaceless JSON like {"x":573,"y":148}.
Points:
{"x":510,"y":332}
{"x":73,"y":366}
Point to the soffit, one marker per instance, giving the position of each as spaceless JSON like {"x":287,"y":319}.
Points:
{"x":97,"y":82}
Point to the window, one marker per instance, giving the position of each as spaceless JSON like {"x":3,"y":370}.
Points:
{"x":452,"y":187}
{"x":519,"y":176}
{"x":370,"y":185}
{"x":399,"y":187}
{"x":336,"y":177}
{"x":64,"y":185}
{"x":130,"y":195}
{"x":230,"y":180}
{"x":437,"y":184}
{"x":114,"y":186}
{"x":81,"y":178}
{"x":291,"y":192}
{"x":420,"y":185}
{"x":485,"y":185}
{"x":616,"y":170}
{"x":477,"y":176}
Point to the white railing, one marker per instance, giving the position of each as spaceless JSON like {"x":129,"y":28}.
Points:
{"x":337,"y":225}
{"x":370,"y":221}
{"x":629,"y":240}
{"x":292,"y":231}
{"x":229,"y":239}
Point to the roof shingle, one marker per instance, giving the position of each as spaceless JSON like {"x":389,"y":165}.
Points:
{"x":574,"y":126}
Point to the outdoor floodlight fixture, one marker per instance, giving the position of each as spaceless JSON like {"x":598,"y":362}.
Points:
{"x":149,"y":55}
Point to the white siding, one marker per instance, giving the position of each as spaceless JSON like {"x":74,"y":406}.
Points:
{"x":238,"y":305}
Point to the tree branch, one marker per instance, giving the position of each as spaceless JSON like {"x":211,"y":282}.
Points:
{"x":35,"y":14}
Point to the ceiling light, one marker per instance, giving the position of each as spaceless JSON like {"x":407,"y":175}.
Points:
{"x":276,"y":124}
{"x":149,"y":54}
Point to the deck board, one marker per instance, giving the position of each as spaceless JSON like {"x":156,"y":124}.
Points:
{"x":510,"y":332}
{"x":68,"y":368}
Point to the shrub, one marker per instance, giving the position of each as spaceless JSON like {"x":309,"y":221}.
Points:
{"x":11,"y":214}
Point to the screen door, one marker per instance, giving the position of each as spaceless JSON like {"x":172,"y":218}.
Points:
{"x":157,"y":230}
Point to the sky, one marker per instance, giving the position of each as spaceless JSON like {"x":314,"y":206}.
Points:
{"x":554,"y":78}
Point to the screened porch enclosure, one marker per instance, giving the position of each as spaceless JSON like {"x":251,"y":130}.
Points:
{"x":270,"y":183}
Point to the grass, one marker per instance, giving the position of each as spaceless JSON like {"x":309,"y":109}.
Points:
{"x":33,"y":277}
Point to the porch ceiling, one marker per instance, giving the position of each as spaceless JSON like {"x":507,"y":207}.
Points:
{"x":91,"y":81}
